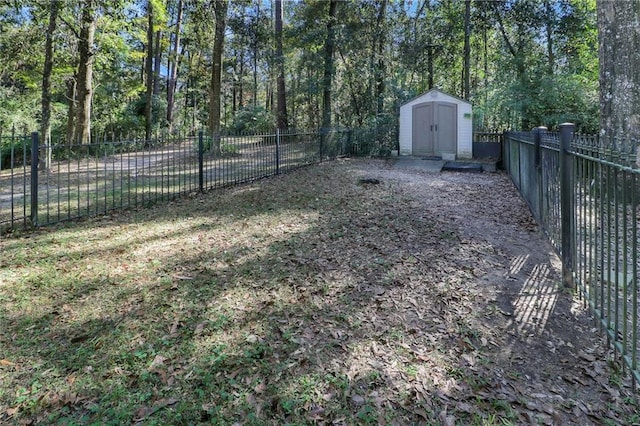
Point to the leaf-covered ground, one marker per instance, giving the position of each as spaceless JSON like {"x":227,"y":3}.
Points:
{"x":308,"y":298}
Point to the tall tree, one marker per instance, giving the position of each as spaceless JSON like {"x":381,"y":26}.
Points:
{"x":258,"y":38}
{"x":174,"y":62}
{"x":148,"y":109}
{"x":327,"y":80}
{"x":281,"y":114}
{"x":380,"y":68}
{"x":549,"y":25}
{"x":220,"y":10}
{"x":542,"y":51}
{"x":517,"y":25}
{"x":157,"y":62}
{"x":619,"y":52}
{"x":86,"y":54}
{"x":467,"y":50}
{"x":45,"y":125}
{"x":71,"y":95}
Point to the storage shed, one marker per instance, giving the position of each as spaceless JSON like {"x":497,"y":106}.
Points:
{"x":436,"y":124}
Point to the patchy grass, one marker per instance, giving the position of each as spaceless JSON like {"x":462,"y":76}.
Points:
{"x":305,"y":298}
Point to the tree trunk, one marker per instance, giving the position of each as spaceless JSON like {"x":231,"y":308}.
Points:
{"x":268,"y":100}
{"x":255,"y":78}
{"x":189,"y":98}
{"x":71,"y":110}
{"x":173,"y":66}
{"x":45,"y":125}
{"x":519,"y":61}
{"x":430,"y":66}
{"x":241,"y":80}
{"x":234,"y":95}
{"x":220,"y":9}
{"x":549,"y":35}
{"x":281,"y":113}
{"x":255,"y":59}
{"x":619,"y":53}
{"x":157,"y":63}
{"x":148,"y":108}
{"x":380,"y":65}
{"x":356,"y":105}
{"x":312,"y":115}
{"x":485,"y":65}
{"x":327,"y":81}
{"x":85,"y":72}
{"x":467,"y":50}
{"x":328,"y":66}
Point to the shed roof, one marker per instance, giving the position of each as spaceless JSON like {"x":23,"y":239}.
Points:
{"x":435,"y":90}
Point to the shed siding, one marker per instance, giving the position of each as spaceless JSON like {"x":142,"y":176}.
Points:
{"x":465,"y":126}
{"x":465,"y":131}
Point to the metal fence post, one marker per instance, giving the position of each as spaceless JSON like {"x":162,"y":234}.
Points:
{"x":566,"y":203}
{"x":200,"y":160}
{"x":34,"y":178}
{"x":277,"y":151}
{"x":537,"y":138}
{"x":506,"y":160}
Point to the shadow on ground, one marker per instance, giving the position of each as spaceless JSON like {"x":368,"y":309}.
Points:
{"x":306,"y":298}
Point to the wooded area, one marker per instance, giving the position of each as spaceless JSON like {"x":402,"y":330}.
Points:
{"x":75,"y":67}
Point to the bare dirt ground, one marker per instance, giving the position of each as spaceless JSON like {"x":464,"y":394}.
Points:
{"x":349,"y":292}
{"x":534,"y":346}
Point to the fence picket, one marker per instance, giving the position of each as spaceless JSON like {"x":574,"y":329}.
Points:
{"x":588,"y":206}
{"x":79,"y":182}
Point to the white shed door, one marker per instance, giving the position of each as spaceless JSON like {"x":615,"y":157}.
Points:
{"x":423,"y":129}
{"x":446,"y":127}
{"x":434,"y":128}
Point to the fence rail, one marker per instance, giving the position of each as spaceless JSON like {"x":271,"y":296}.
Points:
{"x":42,"y":184}
{"x":584,"y":194}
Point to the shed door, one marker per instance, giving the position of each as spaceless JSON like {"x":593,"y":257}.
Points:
{"x":446,"y":128}
{"x":423,"y":129}
{"x":434,"y":128}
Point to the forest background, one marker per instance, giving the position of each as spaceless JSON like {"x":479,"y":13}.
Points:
{"x":76,"y":68}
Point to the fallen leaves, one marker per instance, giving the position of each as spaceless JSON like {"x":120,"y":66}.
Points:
{"x":357,"y":400}
{"x":446,"y":419}
{"x":157,"y":363}
{"x":143,"y":412}
{"x":260,"y":388}
{"x":312,"y":298}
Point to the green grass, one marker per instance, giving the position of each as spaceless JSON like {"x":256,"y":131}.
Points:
{"x":293,"y":300}
{"x":109,"y":319}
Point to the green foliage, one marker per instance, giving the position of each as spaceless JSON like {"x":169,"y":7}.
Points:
{"x":253,"y":119}
{"x":532,"y":88}
{"x":515,"y":82}
{"x":14,"y":150}
{"x":18,"y":109}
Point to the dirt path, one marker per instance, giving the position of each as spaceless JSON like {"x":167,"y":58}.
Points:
{"x":531,"y":345}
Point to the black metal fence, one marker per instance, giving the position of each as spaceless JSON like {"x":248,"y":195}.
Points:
{"x":487,"y":144}
{"x":584,"y":193}
{"x":41,"y":184}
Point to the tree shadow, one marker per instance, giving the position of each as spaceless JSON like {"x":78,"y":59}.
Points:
{"x":362,"y":314}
